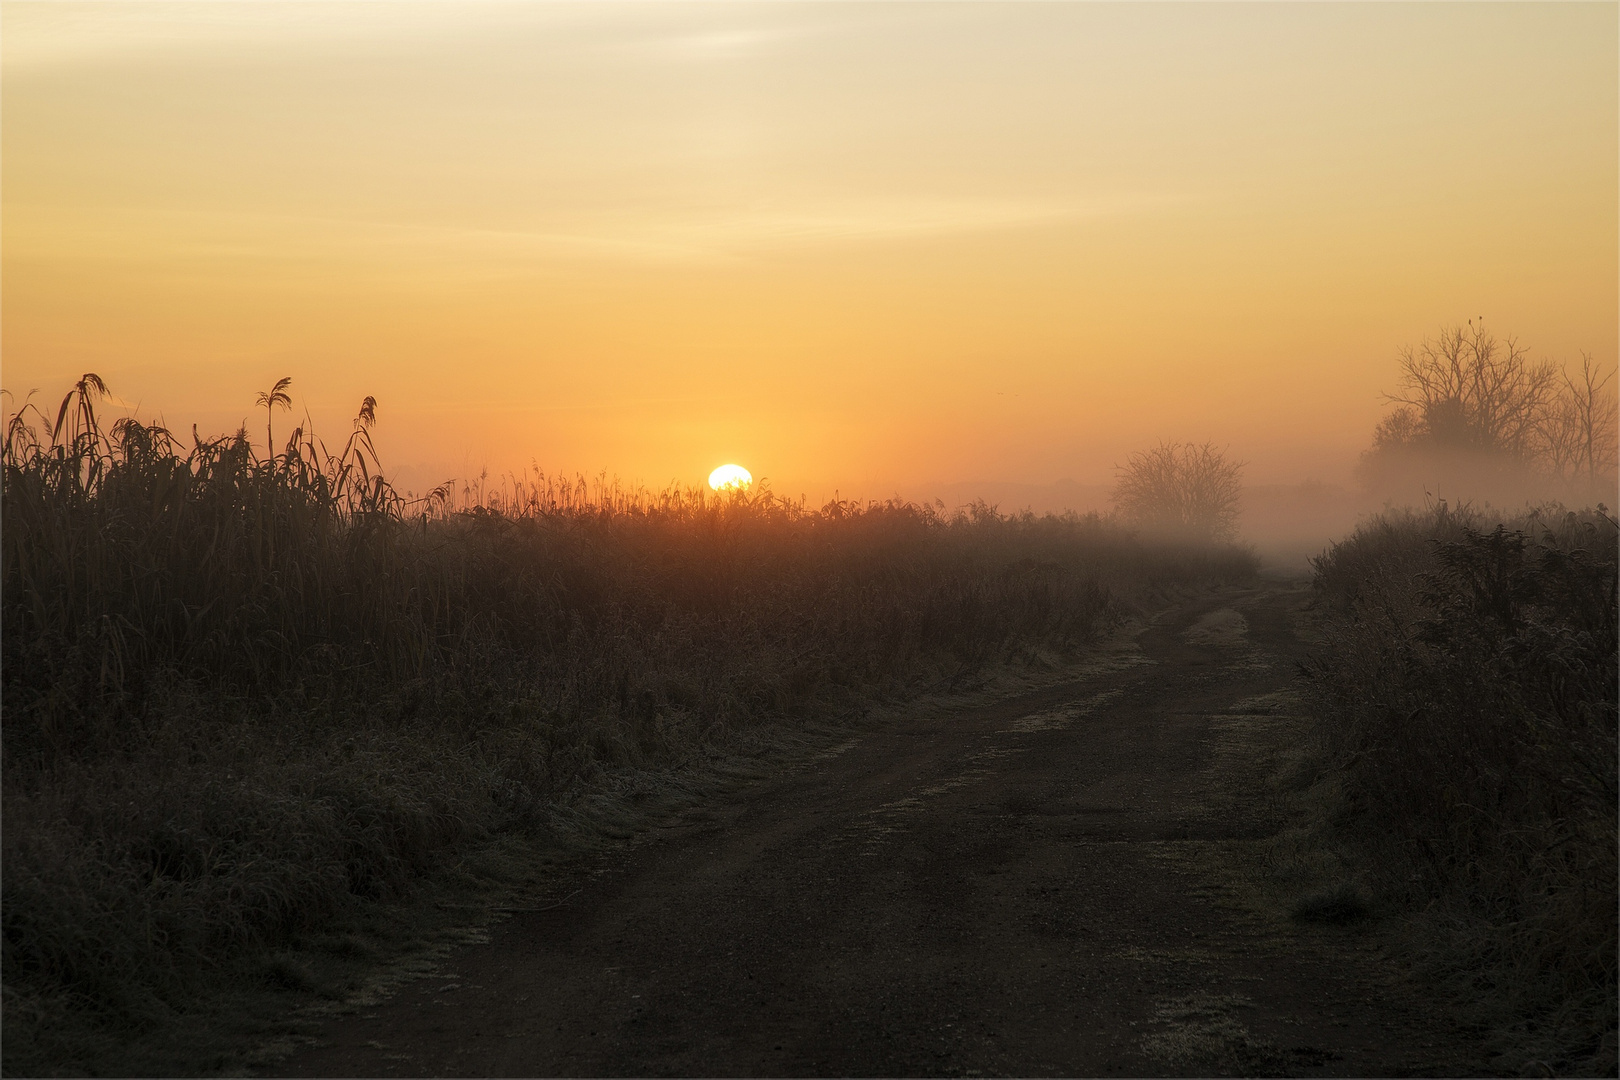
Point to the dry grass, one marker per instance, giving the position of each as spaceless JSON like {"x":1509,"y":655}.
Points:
{"x":1467,"y":688}
{"x":245,"y":697}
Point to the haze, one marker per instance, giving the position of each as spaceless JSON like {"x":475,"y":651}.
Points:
{"x":871,"y":249}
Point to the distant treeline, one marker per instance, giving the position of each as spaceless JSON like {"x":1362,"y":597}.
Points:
{"x":243,"y":692}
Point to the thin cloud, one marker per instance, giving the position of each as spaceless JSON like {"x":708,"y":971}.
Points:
{"x":124,"y":233}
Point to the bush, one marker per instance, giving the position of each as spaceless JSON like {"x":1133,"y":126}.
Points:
{"x":1182,"y":492}
{"x":1468,"y":694}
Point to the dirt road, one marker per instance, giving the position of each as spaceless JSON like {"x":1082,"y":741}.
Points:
{"x":1050,"y":884}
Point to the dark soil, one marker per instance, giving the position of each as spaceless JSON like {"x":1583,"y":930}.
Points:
{"x":1057,"y":883}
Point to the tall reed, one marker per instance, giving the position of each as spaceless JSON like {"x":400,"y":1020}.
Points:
{"x":244,"y":692}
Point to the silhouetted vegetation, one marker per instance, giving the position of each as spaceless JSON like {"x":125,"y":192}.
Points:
{"x":1468,"y":695}
{"x":1181,"y":491}
{"x":245,"y":693}
{"x":1478,"y":412}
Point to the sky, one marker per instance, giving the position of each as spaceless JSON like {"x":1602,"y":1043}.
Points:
{"x":871,"y":249}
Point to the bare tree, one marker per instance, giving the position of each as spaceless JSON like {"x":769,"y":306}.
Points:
{"x":1403,"y":427}
{"x":1560,"y":440}
{"x":1465,"y":392}
{"x":1181,"y":490}
{"x":1589,"y":415}
{"x":1470,"y":391}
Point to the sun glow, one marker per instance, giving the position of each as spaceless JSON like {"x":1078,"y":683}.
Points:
{"x":731,"y":478}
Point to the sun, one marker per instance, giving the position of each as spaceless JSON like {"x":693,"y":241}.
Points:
{"x":731,"y":478}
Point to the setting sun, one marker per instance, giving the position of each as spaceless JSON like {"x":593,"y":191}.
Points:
{"x":731,"y":478}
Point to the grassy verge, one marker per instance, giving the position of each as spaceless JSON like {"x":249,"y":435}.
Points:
{"x":1466,"y":696}
{"x":251,"y":704}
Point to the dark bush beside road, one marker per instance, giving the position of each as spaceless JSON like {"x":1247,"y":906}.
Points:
{"x":1467,"y":692}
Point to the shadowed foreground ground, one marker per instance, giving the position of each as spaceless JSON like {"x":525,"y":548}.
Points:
{"x":1051,"y":884}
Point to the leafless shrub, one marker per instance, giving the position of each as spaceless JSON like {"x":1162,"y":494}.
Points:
{"x":1182,"y":491}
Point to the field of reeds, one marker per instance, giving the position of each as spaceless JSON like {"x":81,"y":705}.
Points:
{"x":246,"y":693}
{"x":1467,"y":696}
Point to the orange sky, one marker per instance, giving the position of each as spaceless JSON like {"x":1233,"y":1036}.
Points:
{"x":864,"y":247}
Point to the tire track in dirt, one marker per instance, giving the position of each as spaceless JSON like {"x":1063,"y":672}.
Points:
{"x":1043,"y":885}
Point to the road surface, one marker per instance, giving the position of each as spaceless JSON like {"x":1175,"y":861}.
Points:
{"x":1049,"y":884}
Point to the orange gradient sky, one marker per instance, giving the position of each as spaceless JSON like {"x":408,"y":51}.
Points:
{"x":870,"y":248}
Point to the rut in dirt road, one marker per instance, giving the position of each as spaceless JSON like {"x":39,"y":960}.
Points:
{"x":1038,"y":886}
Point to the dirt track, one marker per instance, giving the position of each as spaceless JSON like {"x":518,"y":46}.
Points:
{"x":1050,"y":884}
